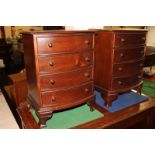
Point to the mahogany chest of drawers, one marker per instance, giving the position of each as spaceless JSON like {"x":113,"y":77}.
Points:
{"x":59,"y":67}
{"x":119,"y":58}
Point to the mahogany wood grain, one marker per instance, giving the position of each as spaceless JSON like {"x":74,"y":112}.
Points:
{"x":31,"y":67}
{"x":65,"y":79}
{"x":126,"y":82}
{"x":69,"y":95}
{"x":139,"y":116}
{"x":65,"y":62}
{"x":128,"y":54}
{"x":19,"y":87}
{"x":55,"y":63}
{"x":128,"y":68}
{"x":128,"y":39}
{"x":68,"y":44}
{"x":119,"y":59}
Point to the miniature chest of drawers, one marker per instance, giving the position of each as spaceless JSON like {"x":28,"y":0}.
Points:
{"x":119,"y":58}
{"x":59,"y":67}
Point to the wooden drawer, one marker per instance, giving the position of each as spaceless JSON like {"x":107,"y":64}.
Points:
{"x":64,"y":44}
{"x":66,"y":62}
{"x":127,"y":69}
{"x":67,"y":96}
{"x":126,"y":82}
{"x":129,"y":39}
{"x":66,"y":79}
{"x":122,"y":55}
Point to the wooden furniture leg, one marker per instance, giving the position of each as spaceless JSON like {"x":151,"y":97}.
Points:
{"x":43,"y":117}
{"x":108,"y":98}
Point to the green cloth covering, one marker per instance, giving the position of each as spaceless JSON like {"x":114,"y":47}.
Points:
{"x":70,"y":118}
{"x":148,"y":88}
{"x":79,"y":115}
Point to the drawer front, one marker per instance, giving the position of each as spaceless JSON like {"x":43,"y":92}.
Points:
{"x":122,"y":55}
{"x":120,"y":83}
{"x":126,"y":69}
{"x":67,"y":96}
{"x":66,"y":62}
{"x":63,"y":44}
{"x":67,"y":79}
{"x":129,"y":39}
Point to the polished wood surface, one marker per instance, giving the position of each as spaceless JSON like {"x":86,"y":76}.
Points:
{"x":60,"y":70}
{"x":19,"y":88}
{"x":139,"y":116}
{"x":49,"y":45}
{"x":128,"y":39}
{"x":62,"y":80}
{"x":126,"y":82}
{"x":119,"y":60}
{"x":56,"y":63}
{"x":68,"y":95}
{"x":131,"y":54}
{"x":127,"y":68}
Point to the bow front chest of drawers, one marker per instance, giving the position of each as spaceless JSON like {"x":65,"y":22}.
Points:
{"x":119,"y":58}
{"x":59,"y":67}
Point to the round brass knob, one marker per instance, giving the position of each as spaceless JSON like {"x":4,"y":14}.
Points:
{"x":143,"y":38}
{"x":52,"y":82}
{"x":120,"y":82}
{"x":50,"y":45}
{"x":142,"y":51}
{"x":139,"y":76}
{"x":120,"y":68}
{"x":141,"y":65}
{"x":53,"y":98}
{"x":86,"y":90}
{"x":87,"y":59}
{"x":87,"y":42}
{"x":122,"y":39}
{"x":86,"y":75}
{"x":51,"y":63}
{"x":122,"y":54}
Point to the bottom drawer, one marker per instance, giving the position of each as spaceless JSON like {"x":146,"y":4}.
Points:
{"x":67,"y":96}
{"x":120,"y":83}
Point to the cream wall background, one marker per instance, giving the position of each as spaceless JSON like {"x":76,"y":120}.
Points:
{"x":83,"y":27}
{"x":151,"y":36}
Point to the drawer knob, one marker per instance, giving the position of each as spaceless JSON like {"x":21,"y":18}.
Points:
{"x":86,"y":90}
{"x":143,"y":38}
{"x":50,"y":45}
{"x":142,"y":52}
{"x":122,"y":54}
{"x":87,"y":42}
{"x":120,"y":68}
{"x":53,"y":98}
{"x":120,"y":82}
{"x":139,"y":76}
{"x":87,"y":59}
{"x":52,"y":82}
{"x":51,"y":63}
{"x":141,"y":65}
{"x":86,"y":75}
{"x":122,"y":39}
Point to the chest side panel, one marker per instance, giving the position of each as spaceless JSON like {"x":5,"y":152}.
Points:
{"x":31,"y":67}
{"x":103,"y":58}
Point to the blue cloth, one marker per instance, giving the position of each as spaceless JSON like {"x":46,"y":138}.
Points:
{"x":123,"y":101}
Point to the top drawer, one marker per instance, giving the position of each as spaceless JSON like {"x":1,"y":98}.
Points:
{"x":63,"y":44}
{"x":129,"y":39}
